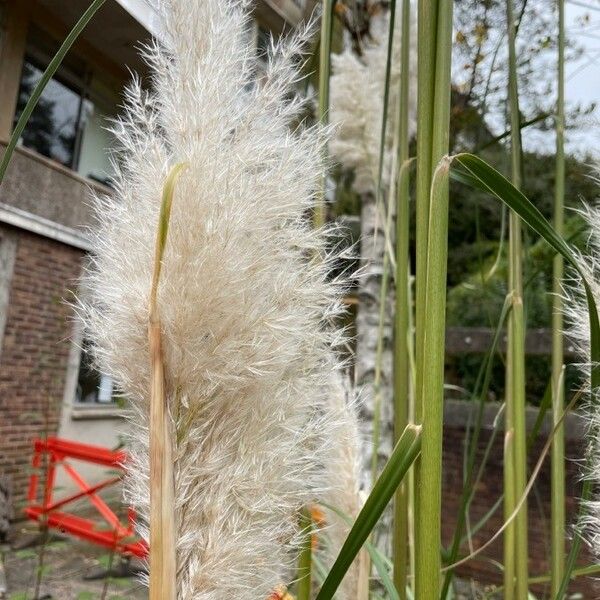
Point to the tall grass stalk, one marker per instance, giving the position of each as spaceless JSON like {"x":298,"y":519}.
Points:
{"x":515,"y":461}
{"x":428,"y":560}
{"x":377,"y":391}
{"x":426,"y":36}
{"x":377,"y":379}
{"x":323,"y":106}
{"x":385,"y":276}
{"x":162,"y":484}
{"x":434,"y":62}
{"x":379,"y":191}
{"x":387,"y":232}
{"x":558,"y":392}
{"x":304,"y":574}
{"x":386,"y":102}
{"x":402,"y":307}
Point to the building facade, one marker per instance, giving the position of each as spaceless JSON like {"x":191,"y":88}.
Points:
{"x":47,"y":385}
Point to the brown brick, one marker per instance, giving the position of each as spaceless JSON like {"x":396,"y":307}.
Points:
{"x":35,"y":351}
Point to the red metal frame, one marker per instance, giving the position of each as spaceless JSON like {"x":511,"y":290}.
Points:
{"x":113,"y":533}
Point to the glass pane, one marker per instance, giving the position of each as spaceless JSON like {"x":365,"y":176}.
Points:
{"x":88,"y":381}
{"x":96,"y":141}
{"x":92,"y":387}
{"x":105,"y":390}
{"x":52,"y":128}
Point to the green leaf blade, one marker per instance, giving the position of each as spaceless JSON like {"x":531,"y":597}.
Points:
{"x":406,"y":451}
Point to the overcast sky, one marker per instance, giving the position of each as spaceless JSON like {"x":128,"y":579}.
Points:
{"x":582,"y":77}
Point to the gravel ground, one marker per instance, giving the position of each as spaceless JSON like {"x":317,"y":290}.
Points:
{"x":67,"y":562}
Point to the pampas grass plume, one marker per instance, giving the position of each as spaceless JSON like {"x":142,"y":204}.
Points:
{"x":357,"y":86}
{"x":579,"y":332}
{"x":247,"y":310}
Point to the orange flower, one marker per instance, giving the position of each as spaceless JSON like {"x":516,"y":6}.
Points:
{"x":281,"y":594}
{"x":317,"y":515}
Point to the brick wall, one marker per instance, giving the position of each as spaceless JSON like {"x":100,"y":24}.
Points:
{"x":35,"y":351}
{"x":490,"y":489}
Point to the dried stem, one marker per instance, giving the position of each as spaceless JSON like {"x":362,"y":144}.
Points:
{"x":163,"y":570}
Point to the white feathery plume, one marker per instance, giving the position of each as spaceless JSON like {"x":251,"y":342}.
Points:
{"x":344,"y":495}
{"x":357,"y":98}
{"x":246,"y":309}
{"x":576,"y":310}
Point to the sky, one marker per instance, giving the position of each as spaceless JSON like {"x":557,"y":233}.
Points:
{"x":582,"y":77}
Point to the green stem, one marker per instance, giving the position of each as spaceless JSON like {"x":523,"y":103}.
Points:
{"x":428,"y":565}
{"x":386,"y":98}
{"x":402,"y":308}
{"x":39,"y":88}
{"x":515,"y":462}
{"x":558,"y":447}
{"x":427,"y":29}
{"x":377,"y":391}
{"x":323,"y":108}
{"x":305,"y":561}
{"x":435,"y":51}
{"x":581,"y":572}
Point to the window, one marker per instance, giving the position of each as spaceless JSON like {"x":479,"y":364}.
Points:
{"x":69,"y":122}
{"x":92,"y":386}
{"x":54,"y":124}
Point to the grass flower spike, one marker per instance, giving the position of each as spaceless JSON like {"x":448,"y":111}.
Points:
{"x":576,"y":311}
{"x":357,"y":86}
{"x":343,"y":501}
{"x":246,"y":309}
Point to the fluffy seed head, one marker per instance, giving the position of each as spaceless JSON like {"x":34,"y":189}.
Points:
{"x":245,"y":301}
{"x":344,"y":479}
{"x":357,"y":98}
{"x":576,"y":310}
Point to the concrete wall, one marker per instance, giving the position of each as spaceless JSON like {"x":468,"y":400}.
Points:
{"x":44,"y":188}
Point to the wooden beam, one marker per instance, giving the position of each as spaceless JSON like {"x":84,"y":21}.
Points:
{"x":12,"y":52}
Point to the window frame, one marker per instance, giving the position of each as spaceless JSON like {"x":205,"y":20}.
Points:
{"x":77,"y":74}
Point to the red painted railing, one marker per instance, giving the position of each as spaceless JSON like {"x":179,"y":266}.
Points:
{"x":111,"y":533}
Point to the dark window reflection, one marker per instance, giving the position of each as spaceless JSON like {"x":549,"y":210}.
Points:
{"x":92,"y":387}
{"x":52,"y":128}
